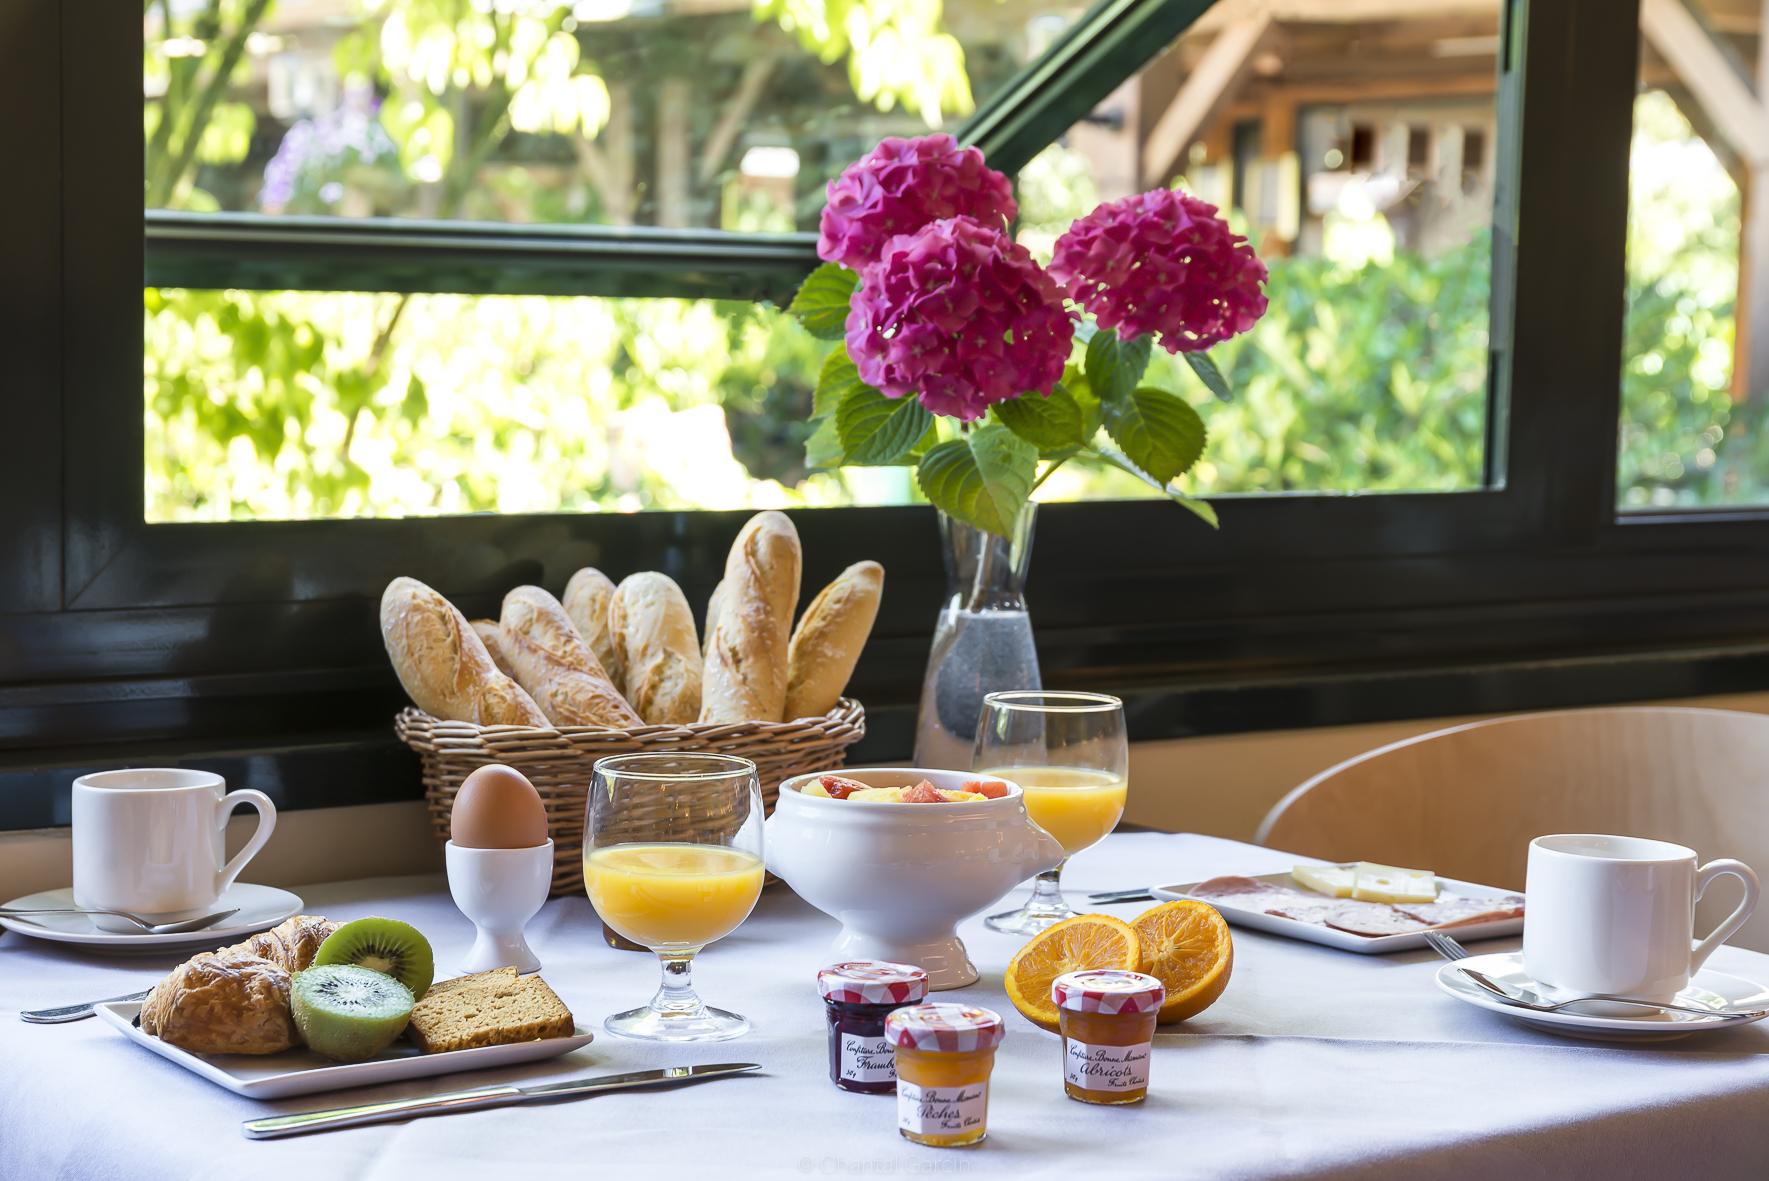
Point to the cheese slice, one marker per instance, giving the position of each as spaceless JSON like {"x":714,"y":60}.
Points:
{"x":1335,"y":881}
{"x":877,"y":795}
{"x":1388,"y":883}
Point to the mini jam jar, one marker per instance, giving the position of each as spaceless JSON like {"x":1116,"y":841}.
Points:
{"x":1108,"y":1025}
{"x":858,"y":996}
{"x":945,"y":1054}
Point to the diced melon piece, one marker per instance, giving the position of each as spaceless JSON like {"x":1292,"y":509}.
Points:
{"x":1335,"y":881}
{"x":814,"y":788}
{"x":877,"y":795}
{"x":923,"y":793}
{"x":1388,"y":883}
{"x":992,"y":789}
{"x":960,"y":797}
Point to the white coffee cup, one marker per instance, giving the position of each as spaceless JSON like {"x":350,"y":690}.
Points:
{"x":1615,"y":916}
{"x":152,"y":842}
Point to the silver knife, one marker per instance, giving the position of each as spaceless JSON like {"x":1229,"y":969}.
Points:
{"x":396,"y":1109}
{"x":76,"y":1012}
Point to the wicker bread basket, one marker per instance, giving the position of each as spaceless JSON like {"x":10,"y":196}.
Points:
{"x":558,"y":762}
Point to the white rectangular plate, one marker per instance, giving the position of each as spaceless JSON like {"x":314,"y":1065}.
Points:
{"x":1258,"y":920}
{"x":302,"y":1072}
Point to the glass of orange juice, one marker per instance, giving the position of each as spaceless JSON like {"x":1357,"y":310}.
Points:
{"x":1071,"y":758}
{"x":673,"y":861}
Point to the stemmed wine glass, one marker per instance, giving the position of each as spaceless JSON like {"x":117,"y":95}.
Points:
{"x":1069,"y":754}
{"x":673,"y":861}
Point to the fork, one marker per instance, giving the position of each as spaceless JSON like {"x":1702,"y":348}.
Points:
{"x":1450,"y":950}
{"x":147,"y":926}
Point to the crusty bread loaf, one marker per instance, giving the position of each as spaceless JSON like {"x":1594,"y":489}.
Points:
{"x":586,"y":601}
{"x":556,"y":666}
{"x":492,"y":1008}
{"x":443,"y":664}
{"x":712,"y":616}
{"x":650,"y":618}
{"x":493,"y":638}
{"x":827,"y":642}
{"x":746,"y":659}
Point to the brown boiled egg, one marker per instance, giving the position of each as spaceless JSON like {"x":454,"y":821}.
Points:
{"x":497,"y":808}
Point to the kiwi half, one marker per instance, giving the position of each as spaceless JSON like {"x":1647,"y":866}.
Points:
{"x":349,"y":1013}
{"x":387,"y":946}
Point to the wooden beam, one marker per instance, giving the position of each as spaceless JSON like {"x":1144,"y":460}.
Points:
{"x":1225,"y":13}
{"x":1209,"y":86}
{"x":1710,"y":76}
{"x":737,"y":112}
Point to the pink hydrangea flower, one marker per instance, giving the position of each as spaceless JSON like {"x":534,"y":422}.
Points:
{"x":959,"y":315}
{"x":900,"y":186}
{"x":1162,"y":261}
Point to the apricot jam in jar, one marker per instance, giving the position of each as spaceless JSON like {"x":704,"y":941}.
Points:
{"x":858,"y":996}
{"x":1108,"y":1025}
{"x":945,"y":1054}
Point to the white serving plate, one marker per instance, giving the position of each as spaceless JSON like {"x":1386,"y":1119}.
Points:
{"x":1258,"y":920}
{"x":260,"y":908}
{"x":302,"y":1072}
{"x":1707,"y":989}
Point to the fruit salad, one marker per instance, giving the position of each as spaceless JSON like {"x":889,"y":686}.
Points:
{"x":838,"y":787}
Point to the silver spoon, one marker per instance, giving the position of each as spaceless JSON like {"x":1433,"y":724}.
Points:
{"x":147,"y":926}
{"x":1521,"y":1002}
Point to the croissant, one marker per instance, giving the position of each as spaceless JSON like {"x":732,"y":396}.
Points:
{"x":217,"y":1003}
{"x":236,"y":1000}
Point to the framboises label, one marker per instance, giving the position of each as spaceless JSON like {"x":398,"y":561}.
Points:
{"x":867,"y":1059}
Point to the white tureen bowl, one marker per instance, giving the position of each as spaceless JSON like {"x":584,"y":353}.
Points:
{"x":900,"y":877}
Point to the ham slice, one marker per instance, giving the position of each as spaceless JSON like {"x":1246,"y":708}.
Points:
{"x":1457,"y":910}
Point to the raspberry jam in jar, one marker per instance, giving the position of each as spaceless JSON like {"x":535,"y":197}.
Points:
{"x":858,"y":996}
{"x":1108,"y":1024}
{"x":945,"y":1054}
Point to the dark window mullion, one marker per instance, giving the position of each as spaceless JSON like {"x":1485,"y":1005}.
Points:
{"x":1567,"y":172}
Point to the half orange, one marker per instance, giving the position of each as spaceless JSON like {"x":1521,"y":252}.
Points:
{"x":1186,"y":946}
{"x":1085,"y":941}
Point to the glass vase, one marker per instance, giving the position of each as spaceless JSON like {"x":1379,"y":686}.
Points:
{"x":983,"y":641}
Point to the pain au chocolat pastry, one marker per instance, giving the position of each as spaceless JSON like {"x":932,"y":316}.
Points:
{"x":235,"y":1000}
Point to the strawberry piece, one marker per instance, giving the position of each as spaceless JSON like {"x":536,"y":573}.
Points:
{"x":923,"y":793}
{"x":840,"y":787}
{"x":992,"y":788}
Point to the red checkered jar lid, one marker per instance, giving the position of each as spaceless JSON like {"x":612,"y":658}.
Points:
{"x":872,"y":982}
{"x":1107,"y":990}
{"x":944,"y":1028}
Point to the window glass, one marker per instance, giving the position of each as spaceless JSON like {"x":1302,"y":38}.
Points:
{"x":1358,"y":156}
{"x":295,"y":405}
{"x":1695,"y":361}
{"x":706,"y":113}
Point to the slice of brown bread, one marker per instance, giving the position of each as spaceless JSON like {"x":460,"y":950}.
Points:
{"x":491,"y":1008}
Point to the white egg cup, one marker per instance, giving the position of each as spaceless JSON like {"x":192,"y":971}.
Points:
{"x":499,"y":890}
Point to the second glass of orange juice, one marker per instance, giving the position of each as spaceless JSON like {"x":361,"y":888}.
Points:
{"x":673,"y":861}
{"x":1070,"y":756}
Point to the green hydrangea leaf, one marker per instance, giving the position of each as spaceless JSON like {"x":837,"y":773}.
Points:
{"x":876,"y":430}
{"x":1158,"y":431}
{"x":984,"y":478}
{"x":1115,"y":367}
{"x":821,"y":304}
{"x":837,"y":380}
{"x":1210,"y":375}
{"x":823,"y":450}
{"x":1053,"y":423}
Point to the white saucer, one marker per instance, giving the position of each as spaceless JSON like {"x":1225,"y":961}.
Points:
{"x":260,"y":908}
{"x":1707,"y":989}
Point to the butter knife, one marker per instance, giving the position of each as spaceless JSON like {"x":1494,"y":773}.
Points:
{"x":76,"y":1012}
{"x":397,"y":1109}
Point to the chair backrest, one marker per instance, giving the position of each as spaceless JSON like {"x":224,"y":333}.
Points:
{"x":1466,"y":801}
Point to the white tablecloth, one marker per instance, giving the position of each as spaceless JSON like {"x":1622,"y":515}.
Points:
{"x":1315,"y":1063}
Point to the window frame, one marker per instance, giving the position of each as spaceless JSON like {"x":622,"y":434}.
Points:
{"x":198,"y":640}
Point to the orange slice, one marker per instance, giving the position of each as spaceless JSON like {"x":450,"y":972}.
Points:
{"x":1085,"y":941}
{"x":1186,"y":946}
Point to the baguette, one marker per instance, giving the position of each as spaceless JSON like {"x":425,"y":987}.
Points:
{"x":650,"y":617}
{"x":586,"y":601}
{"x":493,"y":638}
{"x":444,"y":665}
{"x":556,"y":666}
{"x":827,"y":642}
{"x":746,"y":660}
{"x":712,"y":615}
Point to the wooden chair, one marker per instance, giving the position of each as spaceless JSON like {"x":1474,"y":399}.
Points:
{"x":1466,"y":801}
